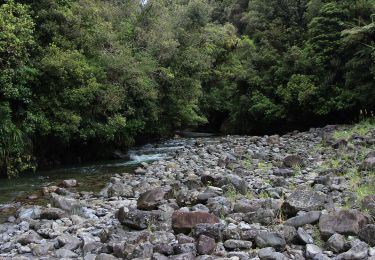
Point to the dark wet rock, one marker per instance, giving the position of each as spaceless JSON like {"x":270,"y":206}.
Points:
{"x":304,"y":237}
{"x":367,"y":234}
{"x":345,"y":222}
{"x":336,"y":243}
{"x":237,"y":244}
{"x":311,"y":217}
{"x":358,"y":251}
{"x":53,"y":213}
{"x":205,"y":245}
{"x":303,"y":199}
{"x":270,"y":239}
{"x":185,"y":248}
{"x":293,"y":160}
{"x":185,"y":221}
{"x":150,"y":199}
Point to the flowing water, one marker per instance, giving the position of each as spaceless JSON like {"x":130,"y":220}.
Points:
{"x":91,"y":177}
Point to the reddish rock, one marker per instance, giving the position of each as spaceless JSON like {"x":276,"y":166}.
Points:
{"x":185,"y":221}
{"x":345,"y":222}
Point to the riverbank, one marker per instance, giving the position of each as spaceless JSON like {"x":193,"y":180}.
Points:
{"x":301,"y":195}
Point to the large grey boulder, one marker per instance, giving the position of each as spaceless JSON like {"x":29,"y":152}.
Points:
{"x":304,"y":199}
{"x":150,"y":199}
{"x":270,"y":239}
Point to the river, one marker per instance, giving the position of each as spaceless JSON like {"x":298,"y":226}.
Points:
{"x":91,"y":177}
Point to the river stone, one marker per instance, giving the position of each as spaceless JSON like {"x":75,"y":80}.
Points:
{"x":68,"y":204}
{"x":185,"y":221}
{"x":65,"y":253}
{"x":237,"y":244}
{"x":292,"y":161}
{"x":359,"y":251}
{"x":53,"y":214}
{"x":135,"y":218}
{"x":186,"y":256}
{"x":369,"y":163}
{"x":212,"y":230}
{"x":29,"y":237}
{"x":69,"y":242}
{"x":205,"y":245}
{"x":336,"y":243}
{"x":311,"y":217}
{"x":29,"y":212}
{"x":69,"y":183}
{"x":185,"y":248}
{"x":345,"y":222}
{"x":270,"y":239}
{"x":303,"y":199}
{"x":312,"y":250}
{"x":367,"y":234}
{"x":304,"y":237}
{"x":368,"y":203}
{"x":150,"y":199}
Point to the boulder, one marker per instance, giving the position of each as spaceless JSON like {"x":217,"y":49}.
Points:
{"x":68,"y":204}
{"x":368,"y":203}
{"x":369,"y":163}
{"x":367,"y":234}
{"x":358,"y":251}
{"x":237,"y":244}
{"x":336,"y":243}
{"x":186,"y":221}
{"x":29,"y":237}
{"x":345,"y":222}
{"x":292,"y":161}
{"x":303,"y":199}
{"x":136,"y":219}
{"x":69,"y":183}
{"x":185,"y":248}
{"x":304,"y":237}
{"x":311,"y":217}
{"x":53,"y":214}
{"x":150,"y":199}
{"x":205,"y":245}
{"x":312,"y":250}
{"x":270,"y":239}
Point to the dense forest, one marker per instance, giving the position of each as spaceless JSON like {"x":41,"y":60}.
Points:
{"x":82,"y":77}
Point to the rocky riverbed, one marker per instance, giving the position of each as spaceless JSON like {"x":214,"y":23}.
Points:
{"x":307,"y":195}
